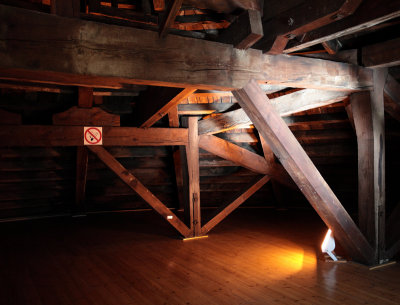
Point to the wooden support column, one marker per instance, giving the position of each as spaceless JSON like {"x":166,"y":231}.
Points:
{"x":192,"y":154}
{"x":368,"y":114}
{"x":140,"y":189}
{"x":85,"y":100}
{"x":228,"y":208}
{"x":295,"y":160}
{"x":180,"y":164}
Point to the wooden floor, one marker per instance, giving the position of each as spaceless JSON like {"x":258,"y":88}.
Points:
{"x":256,"y":256}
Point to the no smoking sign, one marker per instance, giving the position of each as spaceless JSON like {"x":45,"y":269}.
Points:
{"x":92,"y":135}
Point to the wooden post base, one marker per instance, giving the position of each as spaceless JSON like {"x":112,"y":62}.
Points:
{"x":194,"y":238}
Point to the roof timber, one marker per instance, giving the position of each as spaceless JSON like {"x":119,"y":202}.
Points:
{"x":77,"y":52}
{"x":284,"y":105}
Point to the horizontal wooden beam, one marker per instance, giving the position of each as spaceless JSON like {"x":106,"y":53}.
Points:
{"x":140,"y":189}
{"x":294,"y":159}
{"x":86,"y":116}
{"x":168,"y":62}
{"x":284,"y":105}
{"x":368,"y":14}
{"x":384,"y":54}
{"x":38,"y":135}
{"x":228,"y":208}
{"x":202,"y":109}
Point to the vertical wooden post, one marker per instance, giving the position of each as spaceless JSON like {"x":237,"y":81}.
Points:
{"x":180,"y":163}
{"x":85,"y":100}
{"x":368,"y":114}
{"x":192,"y":153}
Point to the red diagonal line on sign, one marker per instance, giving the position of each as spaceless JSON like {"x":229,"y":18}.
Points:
{"x":93,"y":135}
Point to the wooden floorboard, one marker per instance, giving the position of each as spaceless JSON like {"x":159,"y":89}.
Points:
{"x":255,"y":256}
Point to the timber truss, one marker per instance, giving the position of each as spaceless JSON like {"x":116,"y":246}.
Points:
{"x":93,"y":64}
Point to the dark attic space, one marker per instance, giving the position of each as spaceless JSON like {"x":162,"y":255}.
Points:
{"x":199,"y":152}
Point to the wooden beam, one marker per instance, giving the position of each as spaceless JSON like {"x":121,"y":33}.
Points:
{"x":300,"y":19}
{"x":285,"y":105}
{"x":243,"y":157}
{"x":294,"y":159}
{"x":244,"y":32}
{"x":228,"y":208}
{"x":271,"y":160}
{"x":235,"y":153}
{"x":38,"y":135}
{"x":332,"y":46}
{"x":218,"y":66}
{"x":172,"y":11}
{"x":203,"y":109}
{"x":140,"y":189}
{"x":81,"y":175}
{"x":368,"y":114}
{"x":180,"y":165}
{"x":85,"y":97}
{"x":156,"y":102}
{"x":384,"y":54}
{"x":368,"y":14}
{"x":86,"y":117}
{"x":192,"y":155}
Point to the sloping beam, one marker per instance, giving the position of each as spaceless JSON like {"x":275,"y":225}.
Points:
{"x":38,"y":135}
{"x":156,"y":102}
{"x":368,"y":14}
{"x":192,"y":156}
{"x":302,"y":18}
{"x":172,"y":11}
{"x":285,"y":105}
{"x":235,"y":153}
{"x":244,"y":32}
{"x":173,"y":64}
{"x":243,"y":157}
{"x":295,"y":160}
{"x":140,"y":189}
{"x":384,"y":54}
{"x":228,"y":208}
{"x":368,"y":114}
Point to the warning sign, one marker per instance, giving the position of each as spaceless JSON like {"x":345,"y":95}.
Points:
{"x":92,"y":135}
